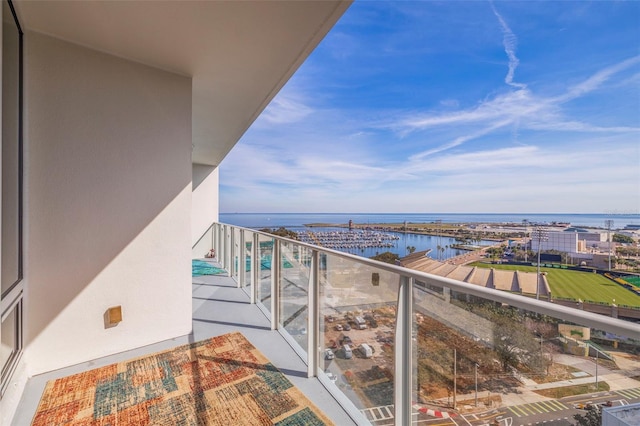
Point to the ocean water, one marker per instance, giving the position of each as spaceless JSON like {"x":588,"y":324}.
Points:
{"x":296,"y":222}
{"x":292,"y":220}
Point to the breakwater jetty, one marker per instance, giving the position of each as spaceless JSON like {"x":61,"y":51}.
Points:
{"x":354,"y":239}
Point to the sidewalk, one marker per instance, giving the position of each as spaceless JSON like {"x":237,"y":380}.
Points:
{"x":526,"y":394}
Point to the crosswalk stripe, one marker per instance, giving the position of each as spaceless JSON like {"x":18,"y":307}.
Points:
{"x":389,"y":414}
{"x":537,"y":408}
{"x":557,"y":404}
{"x":516,"y":411}
{"x":547,"y":406}
{"x":630,"y":393}
{"x":375,"y":414}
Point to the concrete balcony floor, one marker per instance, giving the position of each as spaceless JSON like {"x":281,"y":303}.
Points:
{"x":218,"y":308}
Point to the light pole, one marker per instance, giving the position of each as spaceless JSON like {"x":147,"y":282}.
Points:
{"x":597,"y":370}
{"x":540,"y":235}
{"x":609,"y":223}
{"x":455,"y":376}
{"x":475,"y":364}
{"x":439,"y":223}
{"x":542,"y":360}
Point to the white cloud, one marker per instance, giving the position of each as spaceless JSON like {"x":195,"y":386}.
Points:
{"x":510,"y":105}
{"x":285,"y":109}
{"x":525,"y":147}
{"x":596,"y":80}
{"x":519,"y":108}
{"x":460,"y":140}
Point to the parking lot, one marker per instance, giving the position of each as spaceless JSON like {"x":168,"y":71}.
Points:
{"x":370,"y":378}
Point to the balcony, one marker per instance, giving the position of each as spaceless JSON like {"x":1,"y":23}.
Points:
{"x":394,"y":346}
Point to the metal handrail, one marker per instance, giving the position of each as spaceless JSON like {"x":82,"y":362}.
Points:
{"x":601,"y":322}
{"x":221,"y":236}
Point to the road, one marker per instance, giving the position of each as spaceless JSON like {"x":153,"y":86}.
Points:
{"x":550,"y":413}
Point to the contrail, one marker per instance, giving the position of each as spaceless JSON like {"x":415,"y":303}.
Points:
{"x":510,"y":42}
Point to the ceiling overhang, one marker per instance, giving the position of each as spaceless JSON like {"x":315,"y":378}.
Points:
{"x":239,"y":54}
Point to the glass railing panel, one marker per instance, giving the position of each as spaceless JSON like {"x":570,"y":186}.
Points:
{"x":294,"y":291}
{"x":204,"y":246}
{"x":480,"y":359}
{"x":248,"y":266}
{"x":265,"y":250}
{"x":204,"y":264}
{"x":358,"y":306}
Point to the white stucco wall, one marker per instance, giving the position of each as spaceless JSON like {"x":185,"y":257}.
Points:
{"x":204,"y":200}
{"x":108,"y":203}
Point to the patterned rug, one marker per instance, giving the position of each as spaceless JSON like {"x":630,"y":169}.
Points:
{"x":220,"y":381}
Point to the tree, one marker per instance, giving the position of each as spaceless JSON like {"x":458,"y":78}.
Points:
{"x":620,"y":238}
{"x":282,"y":232}
{"x":593,"y":417}
{"x":514,"y":344}
{"x":386,"y":257}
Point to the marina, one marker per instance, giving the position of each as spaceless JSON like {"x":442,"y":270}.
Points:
{"x":341,"y":240}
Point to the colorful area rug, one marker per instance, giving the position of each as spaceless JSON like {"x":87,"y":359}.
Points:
{"x":220,"y":381}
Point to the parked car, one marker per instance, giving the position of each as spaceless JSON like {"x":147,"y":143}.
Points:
{"x":346,"y":340}
{"x":584,"y":406}
{"x":366,"y":350}
{"x":328,"y":354}
{"x":339,"y":327}
{"x":360,"y":323}
{"x":348,"y":353}
{"x":346,"y":327}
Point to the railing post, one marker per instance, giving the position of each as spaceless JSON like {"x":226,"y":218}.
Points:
{"x":242,"y":260}
{"x":255,"y":268}
{"x":225,"y":247}
{"x":215,"y":230}
{"x":275,"y":285}
{"x":403,"y":353}
{"x":232,"y":251}
{"x":313,"y":324}
{"x":220,"y":251}
{"x":219,"y":243}
{"x":228,"y":242}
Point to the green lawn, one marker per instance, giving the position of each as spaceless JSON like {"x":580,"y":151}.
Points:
{"x":578,"y":285}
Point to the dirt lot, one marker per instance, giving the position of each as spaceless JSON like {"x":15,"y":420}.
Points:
{"x":371,"y":379}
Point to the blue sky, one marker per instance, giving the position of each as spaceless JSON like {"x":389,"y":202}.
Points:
{"x":519,"y":106}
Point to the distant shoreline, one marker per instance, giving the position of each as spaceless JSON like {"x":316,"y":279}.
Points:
{"x":288,"y":220}
{"x":488,"y":231}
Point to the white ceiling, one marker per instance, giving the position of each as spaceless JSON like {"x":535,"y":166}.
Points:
{"x":239,"y":53}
